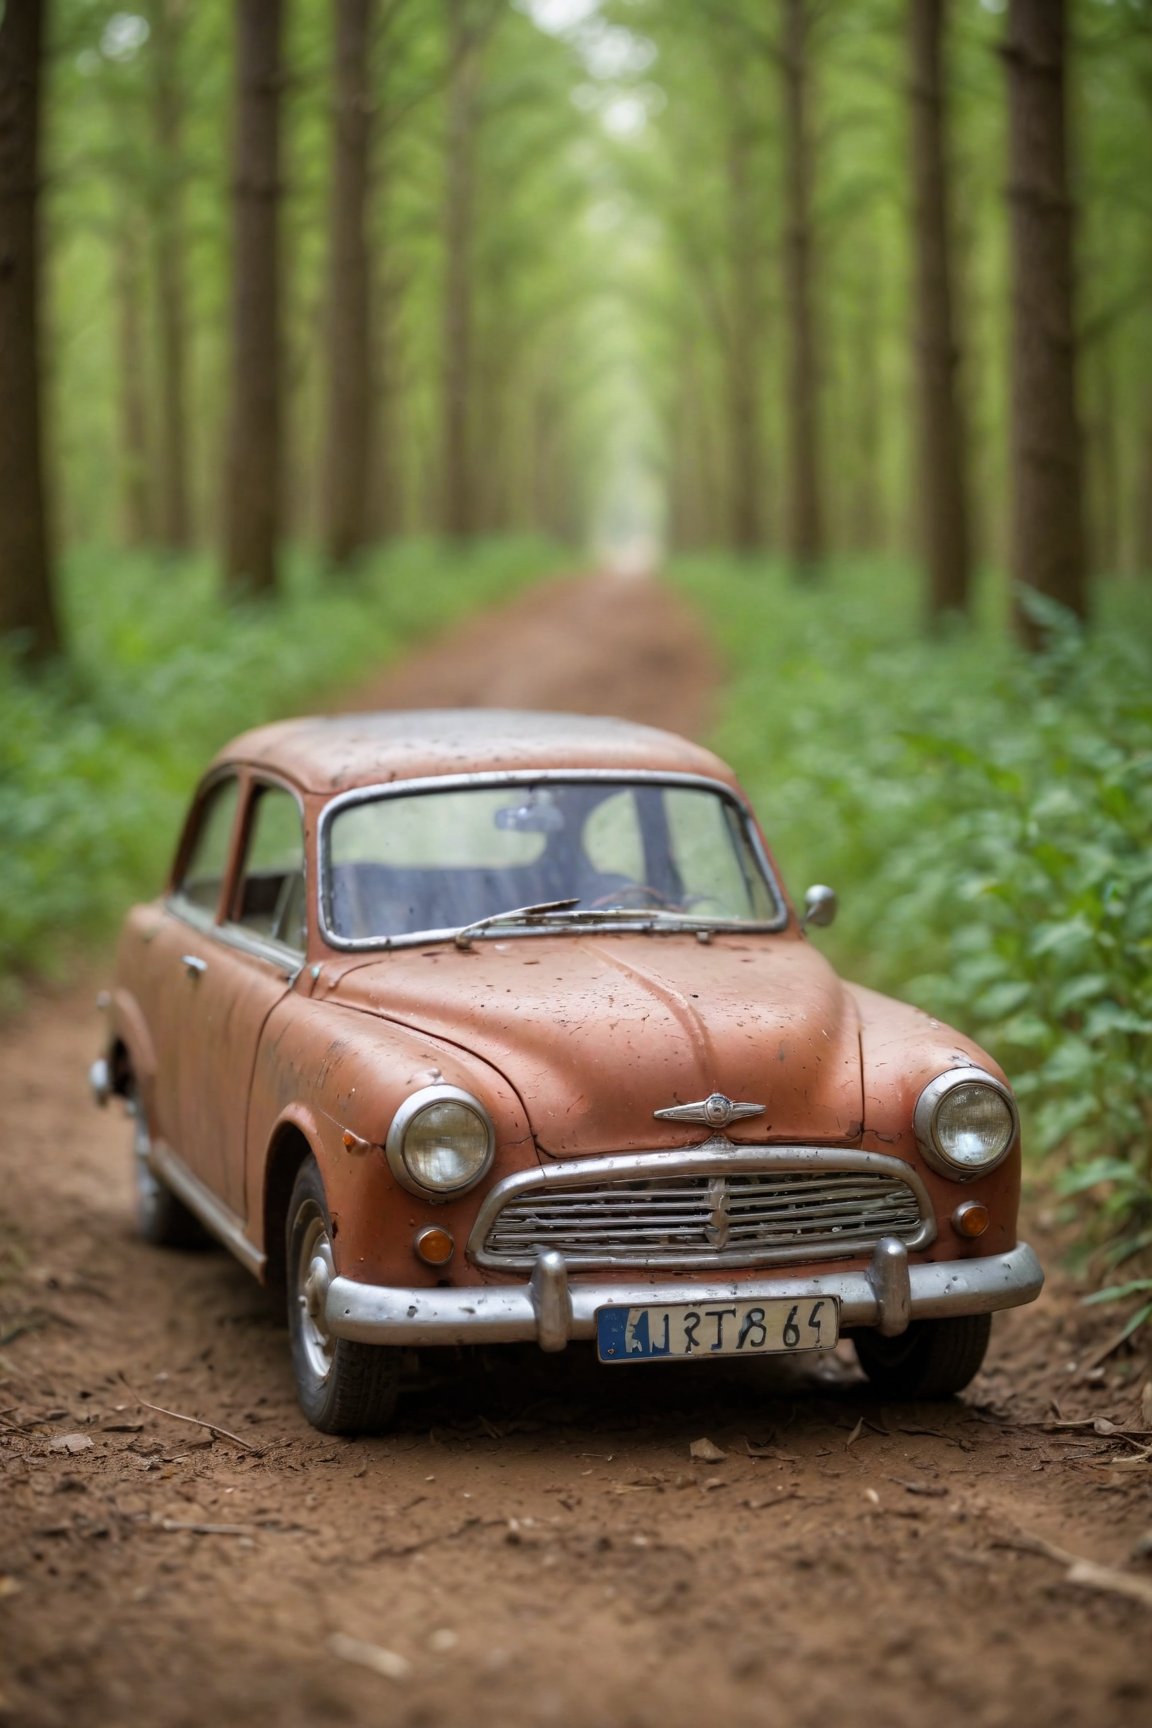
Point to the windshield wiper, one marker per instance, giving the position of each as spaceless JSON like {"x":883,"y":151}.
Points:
{"x":615,"y":915}
{"x":514,"y":915}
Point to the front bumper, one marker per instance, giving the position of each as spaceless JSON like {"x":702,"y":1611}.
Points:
{"x":552,"y":1308}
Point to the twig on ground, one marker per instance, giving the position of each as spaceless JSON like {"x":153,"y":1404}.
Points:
{"x":196,"y":1421}
{"x":1088,"y":1573}
{"x":172,"y":1524}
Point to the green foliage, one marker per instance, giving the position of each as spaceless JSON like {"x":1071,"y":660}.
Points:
{"x":96,"y":766}
{"x":986,"y":817}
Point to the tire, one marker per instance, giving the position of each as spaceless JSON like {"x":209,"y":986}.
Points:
{"x":343,"y":1387}
{"x":933,"y":1359}
{"x":161,"y":1218}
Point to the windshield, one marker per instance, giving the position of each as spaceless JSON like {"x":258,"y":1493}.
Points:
{"x":409,"y":863}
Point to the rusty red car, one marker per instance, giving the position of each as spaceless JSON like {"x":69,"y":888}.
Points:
{"x":475,"y":1027}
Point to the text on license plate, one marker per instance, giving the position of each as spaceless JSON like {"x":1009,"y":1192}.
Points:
{"x":760,"y":1327}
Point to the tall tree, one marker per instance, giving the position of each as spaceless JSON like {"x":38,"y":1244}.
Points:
{"x":468,"y":24}
{"x":804,"y":505}
{"x":867,"y":530}
{"x":167,"y":19}
{"x":741,"y":334}
{"x":135,"y":463}
{"x":349,"y":335}
{"x":27,"y":599}
{"x":253,"y":479}
{"x":1143,"y":535}
{"x":943,"y":496}
{"x":1047,"y":531}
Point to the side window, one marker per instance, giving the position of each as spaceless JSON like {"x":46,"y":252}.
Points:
{"x":613,"y":843}
{"x":207,"y":859}
{"x":271,"y":900}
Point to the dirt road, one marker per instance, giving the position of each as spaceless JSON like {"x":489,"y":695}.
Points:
{"x":534,"y":1543}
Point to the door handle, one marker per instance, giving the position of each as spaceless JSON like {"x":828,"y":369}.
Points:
{"x":193,"y":964}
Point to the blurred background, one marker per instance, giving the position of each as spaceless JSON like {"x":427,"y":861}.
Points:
{"x":327,"y":322}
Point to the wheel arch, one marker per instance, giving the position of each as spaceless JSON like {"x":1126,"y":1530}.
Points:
{"x":289,"y":1149}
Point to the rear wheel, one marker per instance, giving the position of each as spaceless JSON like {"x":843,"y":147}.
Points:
{"x":343,"y":1387}
{"x":161,"y":1218}
{"x":932,"y":1359}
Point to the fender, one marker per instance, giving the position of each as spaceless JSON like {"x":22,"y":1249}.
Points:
{"x":128,"y":1026}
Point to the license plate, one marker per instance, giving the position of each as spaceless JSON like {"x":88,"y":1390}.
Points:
{"x":763,"y":1327}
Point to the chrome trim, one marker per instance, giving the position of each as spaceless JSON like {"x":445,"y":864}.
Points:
{"x":100,"y":1081}
{"x":506,"y":1314}
{"x":533,"y":777}
{"x":219,"y":1220}
{"x":194,"y":965}
{"x":890,"y":1278}
{"x":716,"y":1110}
{"x":715,"y":1155}
{"x":551,"y":1301}
{"x":924,"y":1121}
{"x":413,"y":1105}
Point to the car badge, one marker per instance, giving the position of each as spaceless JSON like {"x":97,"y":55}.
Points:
{"x":716,"y":1110}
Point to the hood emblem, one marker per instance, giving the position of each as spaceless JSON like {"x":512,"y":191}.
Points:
{"x":716,"y":1110}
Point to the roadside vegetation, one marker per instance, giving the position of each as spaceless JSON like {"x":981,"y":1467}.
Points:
{"x":985,"y":816}
{"x":97,"y":758}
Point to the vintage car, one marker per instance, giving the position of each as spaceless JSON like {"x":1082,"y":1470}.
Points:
{"x":473,"y":1027}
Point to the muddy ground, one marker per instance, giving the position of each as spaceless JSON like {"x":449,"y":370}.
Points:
{"x":535,"y":1542}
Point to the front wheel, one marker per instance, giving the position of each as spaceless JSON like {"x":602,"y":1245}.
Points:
{"x":932,"y":1359}
{"x":343,"y":1387}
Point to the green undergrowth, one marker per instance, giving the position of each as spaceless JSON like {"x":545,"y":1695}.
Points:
{"x":97,"y":760}
{"x":987,"y":820}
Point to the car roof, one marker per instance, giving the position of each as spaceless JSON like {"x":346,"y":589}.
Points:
{"x":332,"y":753}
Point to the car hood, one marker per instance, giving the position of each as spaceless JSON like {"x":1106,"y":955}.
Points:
{"x":598,"y":1032}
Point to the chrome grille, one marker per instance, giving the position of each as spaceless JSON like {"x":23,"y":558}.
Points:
{"x":723,"y":1217}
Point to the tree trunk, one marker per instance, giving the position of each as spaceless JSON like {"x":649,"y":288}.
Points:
{"x":1143,"y":534}
{"x":943,"y":494}
{"x":252,"y":489}
{"x":804,"y":515}
{"x":1102,"y":464}
{"x":742,"y":356}
{"x":349,"y":418}
{"x":385,"y":508}
{"x":135,"y":466}
{"x":167,"y":19}
{"x":456,"y":480}
{"x":1047,"y":532}
{"x":868,"y":530}
{"x":27,"y":597}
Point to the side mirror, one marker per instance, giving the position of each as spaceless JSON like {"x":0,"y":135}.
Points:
{"x":820,"y":906}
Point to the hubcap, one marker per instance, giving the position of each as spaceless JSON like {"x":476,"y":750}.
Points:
{"x":315,"y":1270}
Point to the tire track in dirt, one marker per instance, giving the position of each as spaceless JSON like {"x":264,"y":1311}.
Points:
{"x":533,"y":1544}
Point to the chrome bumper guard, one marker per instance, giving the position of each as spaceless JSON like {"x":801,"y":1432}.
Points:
{"x":552,"y":1308}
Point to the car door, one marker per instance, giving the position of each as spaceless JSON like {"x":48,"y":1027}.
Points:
{"x":177,"y":944}
{"x":237,"y":973}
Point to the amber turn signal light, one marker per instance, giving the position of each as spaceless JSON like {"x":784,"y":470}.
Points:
{"x":435,"y":1245}
{"x":971,"y":1219}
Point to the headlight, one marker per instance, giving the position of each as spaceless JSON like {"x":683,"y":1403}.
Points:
{"x":441,"y":1141}
{"x":965,"y":1122}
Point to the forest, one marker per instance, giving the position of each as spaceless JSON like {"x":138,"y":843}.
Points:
{"x":325,"y":321}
